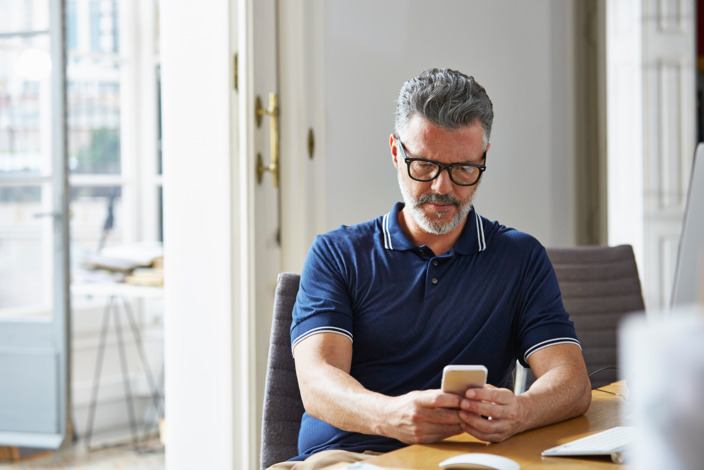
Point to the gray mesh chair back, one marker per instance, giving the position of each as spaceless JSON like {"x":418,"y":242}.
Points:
{"x":599,"y":285}
{"x":283,"y":407}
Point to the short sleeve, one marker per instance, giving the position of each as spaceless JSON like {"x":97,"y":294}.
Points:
{"x":543,"y":320}
{"x":323,"y":300}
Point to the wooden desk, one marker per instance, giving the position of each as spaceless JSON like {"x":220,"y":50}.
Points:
{"x":524,"y":448}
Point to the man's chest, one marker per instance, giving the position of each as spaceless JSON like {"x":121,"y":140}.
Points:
{"x":431,"y":300}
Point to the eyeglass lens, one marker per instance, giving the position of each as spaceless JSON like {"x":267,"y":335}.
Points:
{"x":427,"y":171}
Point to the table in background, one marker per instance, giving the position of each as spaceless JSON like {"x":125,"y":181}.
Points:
{"x":118,"y":295}
{"x":525,"y":448}
{"x":117,"y":289}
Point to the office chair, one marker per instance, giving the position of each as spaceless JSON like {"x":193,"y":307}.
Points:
{"x":600,"y":285}
{"x":283,"y":407}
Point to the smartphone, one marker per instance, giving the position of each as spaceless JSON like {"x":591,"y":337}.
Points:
{"x":458,"y":378}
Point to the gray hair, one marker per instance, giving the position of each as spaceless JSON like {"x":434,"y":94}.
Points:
{"x":446,"y":98}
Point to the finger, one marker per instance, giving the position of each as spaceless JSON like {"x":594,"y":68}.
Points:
{"x":439,"y":399}
{"x":439,"y":432}
{"x":431,"y":433}
{"x":492,"y":430}
{"x":447,"y":416}
{"x":483,"y":408}
{"x":483,"y":424}
{"x":439,"y":416}
{"x":490,"y":393}
{"x":488,"y":436}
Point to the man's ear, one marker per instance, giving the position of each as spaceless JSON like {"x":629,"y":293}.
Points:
{"x":488,"y":144}
{"x":393,"y":144}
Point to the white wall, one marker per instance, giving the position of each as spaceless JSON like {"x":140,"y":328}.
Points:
{"x":519,"y":51}
{"x":200,"y":237}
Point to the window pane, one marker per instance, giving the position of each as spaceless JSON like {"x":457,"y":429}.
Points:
{"x":160,"y":155}
{"x":160,"y":206}
{"x":97,"y":219}
{"x":26,"y":249}
{"x":94,"y":27}
{"x":24,"y":15}
{"x":93,"y":88}
{"x":71,"y":13}
{"x":25,"y":105}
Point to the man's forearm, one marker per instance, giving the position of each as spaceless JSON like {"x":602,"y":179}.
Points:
{"x":332,"y":395}
{"x":561,"y":391}
{"x":559,"y":394}
{"x":335,"y":397}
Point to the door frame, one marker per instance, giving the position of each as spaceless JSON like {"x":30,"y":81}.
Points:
{"x":52,"y":338}
{"x":300,"y":218}
{"x":207,"y":210}
{"x":62,"y":297}
{"x":210,"y":349}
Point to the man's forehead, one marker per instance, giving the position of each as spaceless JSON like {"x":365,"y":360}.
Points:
{"x":421,"y":124}
{"x":421,"y":131}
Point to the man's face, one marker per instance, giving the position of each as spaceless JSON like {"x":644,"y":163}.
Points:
{"x":437,"y":206}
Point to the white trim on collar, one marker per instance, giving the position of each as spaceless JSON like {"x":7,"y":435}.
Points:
{"x":386,"y":228}
{"x":387,"y":232}
{"x":480,"y":232}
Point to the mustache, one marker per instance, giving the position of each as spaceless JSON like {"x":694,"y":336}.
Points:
{"x":439,"y":198}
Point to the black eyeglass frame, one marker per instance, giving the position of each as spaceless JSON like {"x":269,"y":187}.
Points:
{"x":441,"y":166}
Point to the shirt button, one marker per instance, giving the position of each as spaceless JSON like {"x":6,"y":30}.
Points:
{"x":435,"y":262}
{"x":434,"y":280}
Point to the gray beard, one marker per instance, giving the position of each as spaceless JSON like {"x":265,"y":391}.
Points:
{"x":430,"y":225}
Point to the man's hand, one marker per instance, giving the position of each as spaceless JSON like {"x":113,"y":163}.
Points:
{"x":491,"y":414}
{"x":422,"y":417}
{"x":561,"y":391}
{"x":330,"y":394}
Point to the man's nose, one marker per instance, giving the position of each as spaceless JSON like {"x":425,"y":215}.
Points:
{"x":443,"y":184}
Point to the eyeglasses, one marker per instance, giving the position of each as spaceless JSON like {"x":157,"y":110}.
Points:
{"x":462,"y":174}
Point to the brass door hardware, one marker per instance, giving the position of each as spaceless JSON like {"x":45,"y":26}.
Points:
{"x":273,"y":112}
{"x":236,"y":73}
{"x":311,"y":143}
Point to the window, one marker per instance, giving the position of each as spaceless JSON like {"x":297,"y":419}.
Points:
{"x":112,"y":137}
{"x":113,"y":151}
{"x":25,"y":158}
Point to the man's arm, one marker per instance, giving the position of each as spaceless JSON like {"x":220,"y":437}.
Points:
{"x":329,"y":393}
{"x":561,"y":391}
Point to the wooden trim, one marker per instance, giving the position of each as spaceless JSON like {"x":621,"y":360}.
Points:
{"x":18,"y":454}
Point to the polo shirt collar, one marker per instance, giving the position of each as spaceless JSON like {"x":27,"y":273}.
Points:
{"x":471,"y":240}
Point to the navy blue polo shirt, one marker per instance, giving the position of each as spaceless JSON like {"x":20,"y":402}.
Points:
{"x":492,"y":299}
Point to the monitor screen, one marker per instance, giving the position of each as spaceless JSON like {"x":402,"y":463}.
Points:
{"x":690,"y":257}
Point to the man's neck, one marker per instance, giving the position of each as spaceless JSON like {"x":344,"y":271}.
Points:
{"x":438,"y":243}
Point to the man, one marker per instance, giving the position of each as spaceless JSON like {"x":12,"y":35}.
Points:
{"x":383,"y":306}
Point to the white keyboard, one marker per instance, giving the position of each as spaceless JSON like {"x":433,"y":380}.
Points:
{"x":611,"y":442}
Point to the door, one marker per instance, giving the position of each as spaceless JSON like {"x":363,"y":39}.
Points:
{"x":267,"y":185}
{"x":34,"y":322}
{"x":284,"y":195}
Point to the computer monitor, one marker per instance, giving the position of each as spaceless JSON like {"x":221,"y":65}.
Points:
{"x":688,"y":280}
{"x":660,"y":355}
